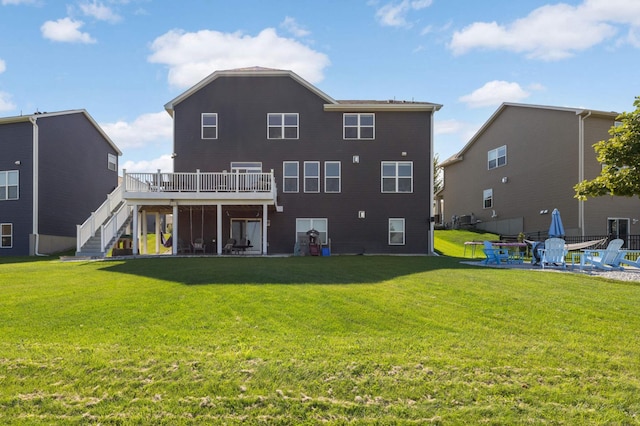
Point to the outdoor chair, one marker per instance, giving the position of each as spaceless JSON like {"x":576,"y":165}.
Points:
{"x":198,"y":245}
{"x":228,"y":247}
{"x":494,"y":254}
{"x":607,"y":259}
{"x":554,"y":253}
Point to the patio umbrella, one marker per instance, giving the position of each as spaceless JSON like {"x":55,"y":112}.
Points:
{"x":556,"y":230}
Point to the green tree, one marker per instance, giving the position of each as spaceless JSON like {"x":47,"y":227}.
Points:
{"x":620,"y":158}
{"x":437,"y":174}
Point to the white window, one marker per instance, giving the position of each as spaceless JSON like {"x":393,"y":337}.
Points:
{"x":311,"y":176}
{"x":359,"y":126}
{"x":282,"y":126}
{"x":497,"y":157}
{"x":112,"y":162}
{"x":396,"y":231}
{"x":397,"y":176}
{"x":9,"y":185}
{"x":210,"y":125}
{"x":290,"y":176}
{"x":6,"y":235}
{"x":487,"y":198}
{"x":332,"y":176}
{"x":246,"y":167}
{"x":305,"y":225}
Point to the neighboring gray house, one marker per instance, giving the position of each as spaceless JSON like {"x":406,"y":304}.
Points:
{"x":262,"y":155}
{"x":55,"y":169}
{"x":523,"y":163}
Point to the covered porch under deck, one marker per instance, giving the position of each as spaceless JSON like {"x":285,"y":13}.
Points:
{"x":213,"y":207}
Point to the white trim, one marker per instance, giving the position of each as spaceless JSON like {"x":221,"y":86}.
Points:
{"x":297,"y":177}
{"x":305,"y":177}
{"x":283,"y":126}
{"x":404,"y":231}
{"x":208,"y":126}
{"x":396,"y":177}
{"x":7,"y":185}
{"x":338,"y":177}
{"x":359,"y":126}
{"x":251,"y":72}
{"x":2,"y":235}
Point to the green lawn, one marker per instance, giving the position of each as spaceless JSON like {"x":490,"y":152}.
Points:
{"x":301,"y":340}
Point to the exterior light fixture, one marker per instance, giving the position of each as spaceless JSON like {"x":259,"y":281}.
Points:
{"x":361,"y":214}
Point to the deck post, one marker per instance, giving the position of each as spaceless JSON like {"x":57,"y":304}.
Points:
{"x":134,"y":230}
{"x":265,"y":215}
{"x":158,"y":231}
{"x":174,"y":232}
{"x":219,"y":228}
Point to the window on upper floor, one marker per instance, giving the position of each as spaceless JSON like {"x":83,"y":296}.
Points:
{"x":282,"y":125}
{"x":311,"y":176}
{"x":396,"y":231}
{"x":487,"y":198}
{"x":332,"y":176}
{"x":397,"y":176}
{"x":497,"y":157}
{"x":359,"y":126}
{"x":290,"y":176}
{"x":6,"y":235}
{"x":9,"y":185}
{"x":209,"y":125}
{"x":112,"y":162}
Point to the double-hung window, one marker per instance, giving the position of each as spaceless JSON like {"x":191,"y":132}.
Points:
{"x":112,"y":162}
{"x":209,"y":125}
{"x":396,"y":231}
{"x":487,"y":198}
{"x":359,"y":126}
{"x":497,"y":157}
{"x":9,"y":185}
{"x":6,"y":235}
{"x":290,"y":176}
{"x":397,"y":176}
{"x":332,"y":176}
{"x":282,"y":126}
{"x":311,"y":176}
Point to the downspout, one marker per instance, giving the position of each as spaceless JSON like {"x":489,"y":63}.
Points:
{"x":36,"y":166}
{"x":431,"y":213}
{"x":581,"y":170}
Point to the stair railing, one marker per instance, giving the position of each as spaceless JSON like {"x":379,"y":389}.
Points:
{"x":97,"y":218}
{"x":112,"y":228}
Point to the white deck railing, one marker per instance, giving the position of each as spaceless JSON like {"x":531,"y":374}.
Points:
{"x":97,"y":218}
{"x":113,"y":225}
{"x":198,"y":182}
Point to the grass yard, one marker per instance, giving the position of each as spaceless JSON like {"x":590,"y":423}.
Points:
{"x":301,"y":340}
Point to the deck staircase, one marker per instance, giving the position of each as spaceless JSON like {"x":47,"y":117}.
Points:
{"x":101,"y":230}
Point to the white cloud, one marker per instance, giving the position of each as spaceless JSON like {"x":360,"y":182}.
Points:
{"x":99,"y":11}
{"x":494,"y":93}
{"x":395,"y":14}
{"x":3,"y":66}
{"x":193,"y":56}
{"x":291,"y":25}
{"x":448,"y":127}
{"x":164,"y":163}
{"x":551,"y":32}
{"x":5,"y":102}
{"x":148,"y":129}
{"x":65,"y":30}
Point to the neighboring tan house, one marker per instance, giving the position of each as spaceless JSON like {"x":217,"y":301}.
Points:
{"x":262,"y":155}
{"x":523,"y":163}
{"x":55,"y":169}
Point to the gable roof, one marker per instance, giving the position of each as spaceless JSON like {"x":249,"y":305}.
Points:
{"x":34,"y":117}
{"x":245,"y":72}
{"x":578,"y":111}
{"x":331,"y":104}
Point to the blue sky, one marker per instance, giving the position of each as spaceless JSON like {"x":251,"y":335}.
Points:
{"x":122,"y":60}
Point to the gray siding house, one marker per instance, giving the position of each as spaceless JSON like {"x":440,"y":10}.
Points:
{"x":263,"y":155}
{"x":55,"y":169}
{"x":523,"y":163}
